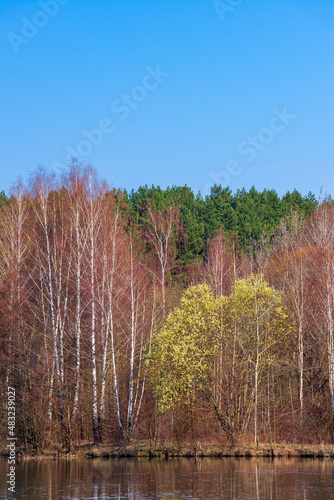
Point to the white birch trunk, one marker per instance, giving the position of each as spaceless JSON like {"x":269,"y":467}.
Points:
{"x":93,"y":338}
{"x":132,"y":344}
{"x":145,"y":372}
{"x":109,"y":319}
{"x":77,"y":354}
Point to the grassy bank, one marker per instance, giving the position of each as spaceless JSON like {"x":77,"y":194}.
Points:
{"x":166,"y":451}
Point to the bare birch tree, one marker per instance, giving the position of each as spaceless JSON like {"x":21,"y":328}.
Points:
{"x":14,"y":248}
{"x":134,"y":316}
{"x":49,"y":240}
{"x":162,"y":225}
{"x":293,"y":261}
{"x":321,"y":235}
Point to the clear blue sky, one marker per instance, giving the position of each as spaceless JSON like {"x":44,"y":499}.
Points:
{"x":181,"y":91}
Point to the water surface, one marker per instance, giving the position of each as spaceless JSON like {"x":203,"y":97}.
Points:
{"x":173,"y":479}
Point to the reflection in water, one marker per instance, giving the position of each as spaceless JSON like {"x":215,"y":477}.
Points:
{"x":174,"y":479}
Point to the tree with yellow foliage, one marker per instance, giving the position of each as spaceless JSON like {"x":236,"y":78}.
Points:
{"x":257,"y":321}
{"x":220,"y":348}
{"x":182,"y":350}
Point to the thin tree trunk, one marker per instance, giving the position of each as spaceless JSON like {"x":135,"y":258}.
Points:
{"x":77,"y":355}
{"x":93,"y":319}
{"x":132,"y":346}
{"x":256,"y":371}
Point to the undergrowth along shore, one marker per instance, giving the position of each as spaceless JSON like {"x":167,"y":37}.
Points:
{"x":167,"y":451}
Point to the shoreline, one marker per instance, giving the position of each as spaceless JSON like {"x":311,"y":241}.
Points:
{"x":168,"y":451}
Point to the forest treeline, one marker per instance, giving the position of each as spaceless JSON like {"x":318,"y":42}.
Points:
{"x":159,"y":315}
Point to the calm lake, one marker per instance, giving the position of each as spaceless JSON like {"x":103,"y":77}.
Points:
{"x":226,"y":478}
